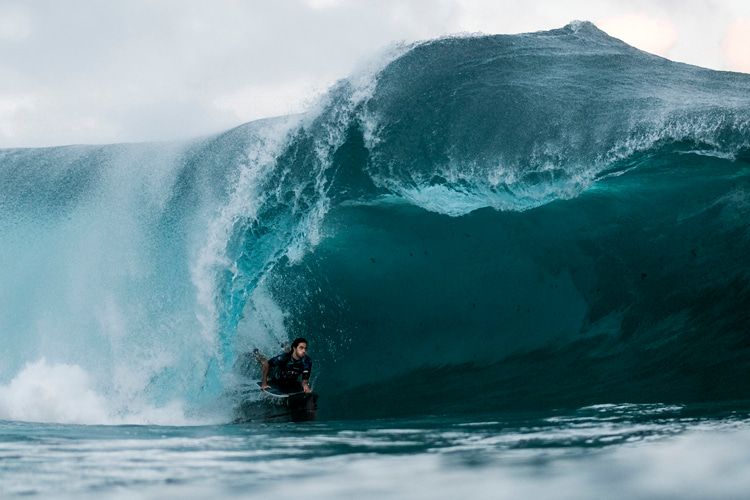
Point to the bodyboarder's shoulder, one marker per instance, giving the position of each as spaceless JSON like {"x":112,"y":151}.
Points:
{"x":280,"y":359}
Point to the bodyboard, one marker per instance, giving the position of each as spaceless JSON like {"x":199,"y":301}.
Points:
{"x":278,"y":393}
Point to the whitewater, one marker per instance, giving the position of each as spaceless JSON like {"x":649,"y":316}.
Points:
{"x":520,"y":262}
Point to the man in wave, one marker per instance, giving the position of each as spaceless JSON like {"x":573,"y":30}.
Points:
{"x":290,"y":366}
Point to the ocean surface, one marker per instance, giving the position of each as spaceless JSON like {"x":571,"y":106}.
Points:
{"x":520,"y":261}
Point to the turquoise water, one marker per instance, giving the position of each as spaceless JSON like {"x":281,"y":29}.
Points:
{"x":520,"y":263}
{"x":613,"y":451}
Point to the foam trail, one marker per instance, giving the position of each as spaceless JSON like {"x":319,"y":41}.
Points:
{"x":67,"y":394}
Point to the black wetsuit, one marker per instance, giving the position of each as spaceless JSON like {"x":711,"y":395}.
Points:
{"x":288,"y":371}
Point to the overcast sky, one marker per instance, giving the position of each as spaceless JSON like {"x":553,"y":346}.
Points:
{"x":96,"y":71}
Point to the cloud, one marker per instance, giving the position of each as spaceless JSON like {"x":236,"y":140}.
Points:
{"x":653,"y":35}
{"x":736,"y":45}
{"x":171,"y":69}
{"x":161,"y":70}
{"x":12,"y":111}
{"x":15,"y":24}
{"x":324,"y":4}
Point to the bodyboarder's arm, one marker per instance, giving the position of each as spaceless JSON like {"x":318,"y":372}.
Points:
{"x":306,"y":372}
{"x":264,"y":381}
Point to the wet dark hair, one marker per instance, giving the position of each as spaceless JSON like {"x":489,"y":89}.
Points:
{"x":297,"y":342}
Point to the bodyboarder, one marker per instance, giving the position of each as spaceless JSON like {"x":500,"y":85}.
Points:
{"x":290,"y":366}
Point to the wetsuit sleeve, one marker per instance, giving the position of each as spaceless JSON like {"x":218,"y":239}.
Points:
{"x":306,"y":369}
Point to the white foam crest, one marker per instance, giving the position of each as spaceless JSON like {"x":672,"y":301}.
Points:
{"x":56,"y":393}
{"x":243,"y":204}
{"x":330,"y":135}
{"x":361,"y":86}
{"x":327,"y":123}
{"x":66,"y":394}
{"x":469,"y":188}
{"x":704,"y":129}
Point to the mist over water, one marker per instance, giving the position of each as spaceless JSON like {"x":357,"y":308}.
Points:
{"x":519,"y":261}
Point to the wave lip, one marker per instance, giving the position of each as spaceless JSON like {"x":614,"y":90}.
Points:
{"x":517,"y":116}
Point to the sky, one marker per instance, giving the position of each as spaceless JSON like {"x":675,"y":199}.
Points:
{"x":97,"y":72}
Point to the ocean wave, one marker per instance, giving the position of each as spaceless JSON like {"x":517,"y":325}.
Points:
{"x":554,"y":217}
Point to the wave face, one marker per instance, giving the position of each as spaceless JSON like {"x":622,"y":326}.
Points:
{"x":481,"y":223}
